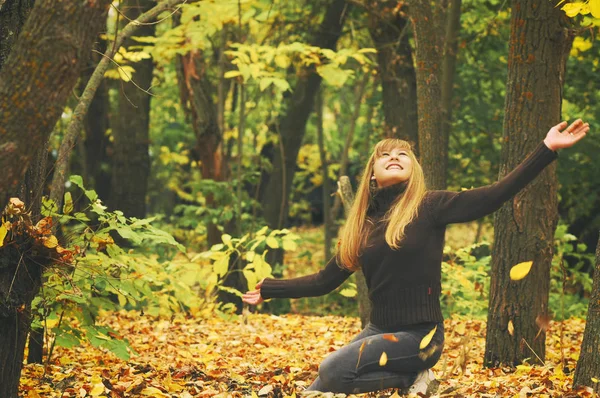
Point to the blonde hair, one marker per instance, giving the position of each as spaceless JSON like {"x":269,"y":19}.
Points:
{"x":354,"y":234}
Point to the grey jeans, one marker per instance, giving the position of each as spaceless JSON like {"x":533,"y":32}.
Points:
{"x":358,"y":368}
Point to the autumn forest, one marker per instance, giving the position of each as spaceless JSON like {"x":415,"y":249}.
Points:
{"x":177,"y":177}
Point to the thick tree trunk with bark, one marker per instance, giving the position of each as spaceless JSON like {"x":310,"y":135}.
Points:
{"x":35,"y":82}
{"x":275,"y":198}
{"x":13,"y":14}
{"x":524,"y":227}
{"x":389,"y":29}
{"x":588,"y":365}
{"x":433,"y":147}
{"x":131,"y":161}
{"x":38,"y":77}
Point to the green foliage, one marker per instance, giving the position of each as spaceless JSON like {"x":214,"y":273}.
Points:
{"x":570,"y":284}
{"x":251,"y":249}
{"x":465,"y":281}
{"x":104,"y":276}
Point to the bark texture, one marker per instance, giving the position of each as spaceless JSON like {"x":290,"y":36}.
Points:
{"x":13,"y":14}
{"x":131,"y":160}
{"x":38,"y":77}
{"x":524,"y":227}
{"x":588,"y":365}
{"x":389,"y":29}
{"x":433,"y":147}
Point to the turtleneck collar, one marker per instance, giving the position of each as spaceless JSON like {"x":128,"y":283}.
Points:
{"x":382,"y":198}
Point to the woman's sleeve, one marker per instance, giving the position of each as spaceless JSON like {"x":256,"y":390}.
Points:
{"x":455,"y":207}
{"x":313,"y":285}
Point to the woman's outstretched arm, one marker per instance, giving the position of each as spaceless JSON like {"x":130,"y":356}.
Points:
{"x":454,"y":207}
{"x":313,"y":285}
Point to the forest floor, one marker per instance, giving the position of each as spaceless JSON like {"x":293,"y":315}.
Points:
{"x":278,"y":356}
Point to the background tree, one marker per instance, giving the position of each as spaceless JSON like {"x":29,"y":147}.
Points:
{"x":130,"y":160}
{"x":524,"y":227}
{"x":588,"y":365}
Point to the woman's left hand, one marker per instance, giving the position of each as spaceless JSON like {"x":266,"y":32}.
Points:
{"x":557,"y":139}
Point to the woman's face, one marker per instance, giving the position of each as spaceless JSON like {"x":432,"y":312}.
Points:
{"x":392,"y":167}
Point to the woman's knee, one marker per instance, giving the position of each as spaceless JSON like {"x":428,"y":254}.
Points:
{"x":334,"y":375}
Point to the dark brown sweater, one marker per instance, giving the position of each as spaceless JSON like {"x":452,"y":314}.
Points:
{"x":404,"y":284}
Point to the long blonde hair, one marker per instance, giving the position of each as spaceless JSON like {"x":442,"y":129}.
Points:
{"x":353,"y":237}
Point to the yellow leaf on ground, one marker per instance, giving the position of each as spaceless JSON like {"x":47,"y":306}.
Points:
{"x":154,"y":392}
{"x":427,"y":339}
{"x":460,"y":328}
{"x":383,"y":359}
{"x":265,"y":390}
{"x":98,"y":389}
{"x":511,"y":328}
{"x":520,"y":270}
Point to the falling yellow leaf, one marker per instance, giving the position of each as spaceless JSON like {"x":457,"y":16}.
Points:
{"x":511,"y":328}
{"x":390,"y":337}
{"x":595,"y":380}
{"x":427,"y":339}
{"x":360,"y":351}
{"x":383,"y":359}
{"x":3,"y":232}
{"x":520,"y":270}
{"x":51,"y":242}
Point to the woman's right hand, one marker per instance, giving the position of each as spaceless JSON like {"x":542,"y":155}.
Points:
{"x":253,"y":297}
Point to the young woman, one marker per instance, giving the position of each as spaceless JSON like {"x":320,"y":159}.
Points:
{"x":395,"y":234}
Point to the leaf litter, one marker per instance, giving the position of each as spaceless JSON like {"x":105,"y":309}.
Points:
{"x":261,"y":355}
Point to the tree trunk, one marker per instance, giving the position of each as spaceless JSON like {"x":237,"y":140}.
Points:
{"x":364,"y":303}
{"x":359,"y":94}
{"x":433,"y":147}
{"x":95,"y":126}
{"x":524,"y":227}
{"x":275,"y":198}
{"x":327,"y":215}
{"x":131,"y":161}
{"x":51,"y":66}
{"x":389,"y":30}
{"x":47,"y":55}
{"x":449,"y":66}
{"x":588,"y":365}
{"x":13,"y":14}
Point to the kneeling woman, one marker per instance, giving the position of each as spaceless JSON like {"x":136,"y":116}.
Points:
{"x":395,"y":234}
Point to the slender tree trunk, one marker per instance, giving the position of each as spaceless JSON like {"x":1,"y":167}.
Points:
{"x":359,"y":95}
{"x":275,"y":198}
{"x":588,"y":365}
{"x":524,"y":227}
{"x":389,"y":28}
{"x":95,"y":126}
{"x":51,"y":66}
{"x":433,"y":147}
{"x":131,"y":161}
{"x":449,"y":66}
{"x":364,"y":303}
{"x":327,"y":215}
